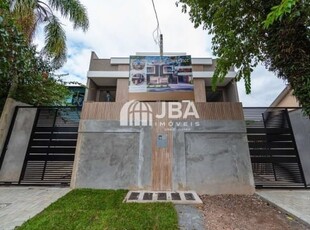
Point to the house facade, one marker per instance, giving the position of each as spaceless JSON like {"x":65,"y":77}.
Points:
{"x":162,"y":129}
{"x":111,"y":75}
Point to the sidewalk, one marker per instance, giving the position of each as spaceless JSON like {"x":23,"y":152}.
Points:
{"x":190,"y":218}
{"x":18,"y":204}
{"x":294,"y":202}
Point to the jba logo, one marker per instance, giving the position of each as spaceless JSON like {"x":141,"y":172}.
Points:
{"x":135,"y":113}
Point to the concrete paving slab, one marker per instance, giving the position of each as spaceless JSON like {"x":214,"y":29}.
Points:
{"x":294,"y":202}
{"x":18,"y":204}
{"x":189,"y":217}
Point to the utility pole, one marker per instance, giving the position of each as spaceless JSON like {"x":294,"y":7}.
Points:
{"x":161,"y":49}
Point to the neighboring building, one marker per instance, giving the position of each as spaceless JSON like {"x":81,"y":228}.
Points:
{"x":300,"y":125}
{"x":77,"y":96}
{"x":197,"y":143}
{"x":285,"y":99}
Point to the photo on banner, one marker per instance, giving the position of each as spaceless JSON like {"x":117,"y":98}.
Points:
{"x":160,"y":74}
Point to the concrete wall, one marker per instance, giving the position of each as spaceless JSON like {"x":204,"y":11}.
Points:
{"x":213,"y":158}
{"x":6,"y":118}
{"x":97,"y":64}
{"x":17,"y":147}
{"x":112,"y":157}
{"x":301,"y":129}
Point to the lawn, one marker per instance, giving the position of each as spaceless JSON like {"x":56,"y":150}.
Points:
{"x":102,"y":209}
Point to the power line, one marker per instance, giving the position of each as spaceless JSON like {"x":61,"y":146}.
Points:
{"x":157,"y":31}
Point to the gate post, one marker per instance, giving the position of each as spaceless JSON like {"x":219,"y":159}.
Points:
{"x":5,"y":144}
{"x":295,"y":146}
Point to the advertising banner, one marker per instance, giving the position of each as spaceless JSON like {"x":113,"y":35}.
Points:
{"x":160,"y":74}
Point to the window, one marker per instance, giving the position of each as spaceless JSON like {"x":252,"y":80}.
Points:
{"x":215,"y":96}
{"x":107,"y":94}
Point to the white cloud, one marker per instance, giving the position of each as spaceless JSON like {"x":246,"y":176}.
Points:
{"x":122,"y":28}
{"x":77,"y":64}
{"x":265,"y":87}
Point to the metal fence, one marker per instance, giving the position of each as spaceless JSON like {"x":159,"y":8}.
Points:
{"x":51,"y":148}
{"x":273,"y":150}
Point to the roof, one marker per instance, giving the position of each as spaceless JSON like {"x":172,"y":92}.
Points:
{"x":281,"y":96}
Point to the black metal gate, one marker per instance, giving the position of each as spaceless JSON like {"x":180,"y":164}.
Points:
{"x":273,"y":151}
{"x":50,"y":154}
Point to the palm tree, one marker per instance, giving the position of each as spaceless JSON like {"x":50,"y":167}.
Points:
{"x":31,"y":13}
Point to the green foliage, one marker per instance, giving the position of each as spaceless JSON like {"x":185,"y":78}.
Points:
{"x":55,"y":41}
{"x":30,"y":13}
{"x":103,"y":209}
{"x":280,"y":10}
{"x":25,"y":75}
{"x":288,"y":50}
{"x":247,"y":32}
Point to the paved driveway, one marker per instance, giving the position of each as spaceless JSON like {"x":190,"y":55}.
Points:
{"x":18,"y":204}
{"x":295,"y":202}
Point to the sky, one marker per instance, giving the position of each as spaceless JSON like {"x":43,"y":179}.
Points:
{"x":121,"y":28}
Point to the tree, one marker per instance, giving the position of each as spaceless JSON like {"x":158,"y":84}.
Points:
{"x":247,"y":32}
{"x":24,"y":74}
{"x":285,"y":7}
{"x":31,"y":13}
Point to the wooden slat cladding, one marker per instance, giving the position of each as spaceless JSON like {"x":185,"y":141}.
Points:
{"x":206,"y":111}
{"x":161,"y":157}
{"x":101,"y":110}
{"x":164,"y":96}
{"x":123,"y":68}
{"x":122,"y":90}
{"x":200,"y":90}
